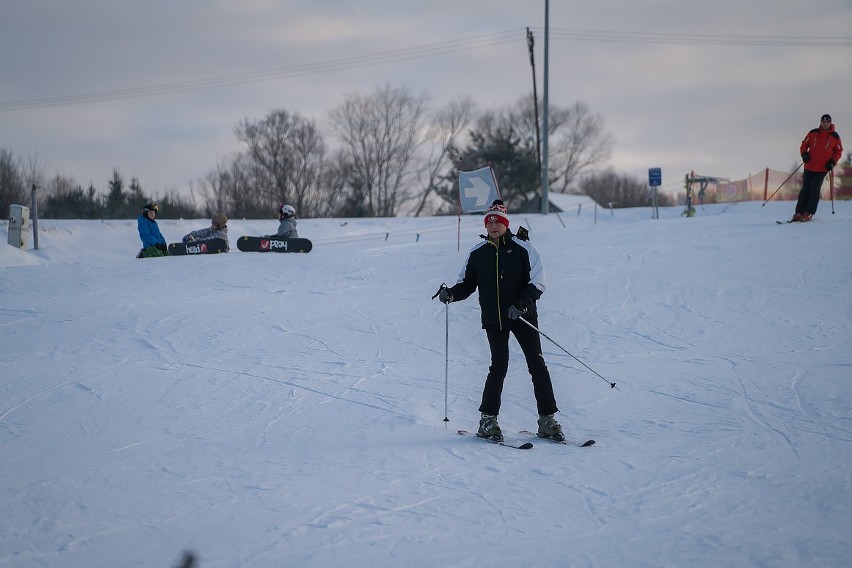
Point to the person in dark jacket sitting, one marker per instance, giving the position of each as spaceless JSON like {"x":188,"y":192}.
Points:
{"x":510,"y":276}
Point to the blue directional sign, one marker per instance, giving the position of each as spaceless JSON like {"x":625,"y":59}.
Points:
{"x":655,"y":177}
{"x":477,"y":189}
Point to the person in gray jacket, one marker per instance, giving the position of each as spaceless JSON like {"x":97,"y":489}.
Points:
{"x":287,"y":227}
{"x":218,"y":230}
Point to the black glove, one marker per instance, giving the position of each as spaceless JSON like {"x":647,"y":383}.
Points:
{"x":515,"y":312}
{"x":444,"y":294}
{"x":829,"y":165}
{"x":806,"y":157}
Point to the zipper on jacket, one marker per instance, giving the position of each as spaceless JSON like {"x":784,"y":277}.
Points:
{"x":497,"y":283}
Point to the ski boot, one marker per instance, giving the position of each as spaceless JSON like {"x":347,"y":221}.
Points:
{"x":488,"y":428}
{"x":549,"y":428}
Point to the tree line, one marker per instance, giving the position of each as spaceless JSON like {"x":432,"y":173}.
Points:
{"x":387,"y":153}
{"x":62,"y":198}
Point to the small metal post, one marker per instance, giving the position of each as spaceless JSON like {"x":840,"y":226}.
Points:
{"x":34,"y":216}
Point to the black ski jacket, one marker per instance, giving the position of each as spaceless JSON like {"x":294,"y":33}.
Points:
{"x":506,"y":272}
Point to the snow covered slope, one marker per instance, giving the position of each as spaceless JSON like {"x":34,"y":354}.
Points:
{"x":287,"y":410}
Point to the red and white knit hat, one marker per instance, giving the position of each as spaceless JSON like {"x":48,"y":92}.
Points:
{"x":497,"y":212}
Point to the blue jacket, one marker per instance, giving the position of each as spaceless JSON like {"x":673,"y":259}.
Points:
{"x":149,"y":232}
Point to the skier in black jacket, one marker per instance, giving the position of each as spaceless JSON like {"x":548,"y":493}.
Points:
{"x":510,"y":277}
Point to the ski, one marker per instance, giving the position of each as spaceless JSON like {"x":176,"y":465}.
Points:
{"x":585,"y":444}
{"x":524,"y":446}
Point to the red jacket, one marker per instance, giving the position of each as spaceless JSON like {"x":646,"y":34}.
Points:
{"x":822,"y":145}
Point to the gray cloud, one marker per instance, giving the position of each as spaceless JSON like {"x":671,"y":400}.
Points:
{"x":726,"y":108}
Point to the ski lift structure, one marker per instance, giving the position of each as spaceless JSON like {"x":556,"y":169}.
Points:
{"x":702,"y":182}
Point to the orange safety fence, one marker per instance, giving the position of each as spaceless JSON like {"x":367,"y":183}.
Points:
{"x":759,"y":187}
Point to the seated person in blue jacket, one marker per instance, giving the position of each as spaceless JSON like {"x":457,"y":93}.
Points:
{"x":153,"y":243}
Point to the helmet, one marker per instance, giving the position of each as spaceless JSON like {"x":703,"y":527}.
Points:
{"x":287,"y":211}
{"x":150,"y":207}
{"x":220,"y":219}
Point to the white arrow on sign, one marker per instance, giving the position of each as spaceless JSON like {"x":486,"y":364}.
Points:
{"x":479,"y":189}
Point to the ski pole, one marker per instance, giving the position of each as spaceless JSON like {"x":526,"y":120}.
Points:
{"x":446,"y":359}
{"x":831,"y":188}
{"x":611,"y":385}
{"x":782,"y":184}
{"x":446,"y":353}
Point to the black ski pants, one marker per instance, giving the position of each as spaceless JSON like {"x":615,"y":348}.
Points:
{"x":809,"y":195}
{"x":530,"y":342}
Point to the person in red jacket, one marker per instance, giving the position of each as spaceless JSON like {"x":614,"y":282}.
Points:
{"x":821,"y":149}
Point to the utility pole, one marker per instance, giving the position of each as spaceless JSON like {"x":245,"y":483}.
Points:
{"x":545,"y":204}
{"x":531,"y":45}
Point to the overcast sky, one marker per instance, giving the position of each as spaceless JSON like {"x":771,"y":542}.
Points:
{"x":724,"y":88}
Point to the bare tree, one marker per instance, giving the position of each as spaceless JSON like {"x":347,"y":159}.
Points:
{"x":62,"y":185}
{"x":308,"y":163}
{"x":331,"y":198}
{"x":226,"y":189}
{"x":34,"y":172}
{"x":578,"y":144}
{"x":380,"y":134}
{"x":16,"y":178}
{"x":447,"y":125}
{"x":577,"y":140}
{"x":609,"y":188}
{"x":12,"y":182}
{"x":269,"y":147}
{"x":287,"y":152}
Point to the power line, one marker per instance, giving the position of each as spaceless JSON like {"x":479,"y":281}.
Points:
{"x":421,"y":51}
{"x":698,"y":39}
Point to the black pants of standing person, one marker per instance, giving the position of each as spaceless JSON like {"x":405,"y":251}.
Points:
{"x":530,"y":343}
{"x":809,"y":194}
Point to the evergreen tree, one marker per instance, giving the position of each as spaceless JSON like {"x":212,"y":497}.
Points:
{"x":512,"y":158}
{"x":116,"y":198}
{"x":134,"y":200}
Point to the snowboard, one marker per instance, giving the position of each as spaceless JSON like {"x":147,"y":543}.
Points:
{"x":273,"y":244}
{"x":209,"y":246}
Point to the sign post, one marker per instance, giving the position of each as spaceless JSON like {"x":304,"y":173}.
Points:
{"x":655,"y":179}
